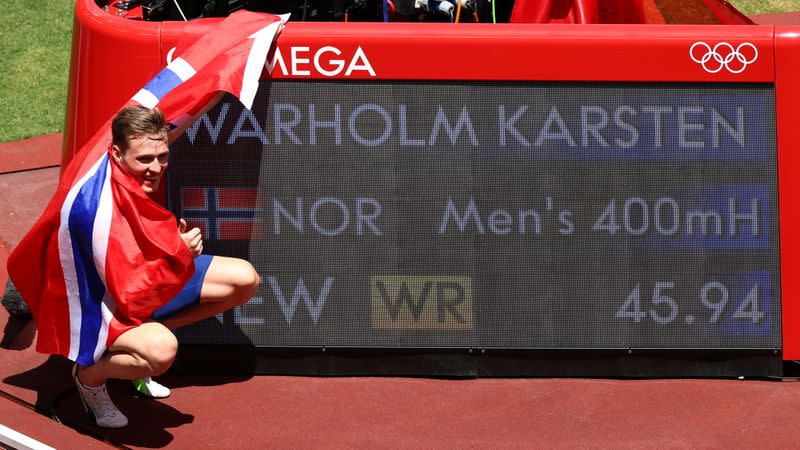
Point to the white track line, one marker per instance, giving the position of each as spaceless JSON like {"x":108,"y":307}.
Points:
{"x":20,"y":441}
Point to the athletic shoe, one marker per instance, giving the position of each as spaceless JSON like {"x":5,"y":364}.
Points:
{"x":98,"y":404}
{"x":150,"y":388}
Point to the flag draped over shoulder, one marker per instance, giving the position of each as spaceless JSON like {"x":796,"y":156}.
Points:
{"x":103,"y":256}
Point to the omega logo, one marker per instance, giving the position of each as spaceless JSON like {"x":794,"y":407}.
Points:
{"x":326,"y":61}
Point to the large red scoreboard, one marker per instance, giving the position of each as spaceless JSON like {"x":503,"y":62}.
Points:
{"x":501,"y":199}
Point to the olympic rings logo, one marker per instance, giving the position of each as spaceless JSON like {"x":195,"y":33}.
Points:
{"x":723,"y":56}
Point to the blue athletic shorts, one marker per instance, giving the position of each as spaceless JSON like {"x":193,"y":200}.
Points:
{"x":190,"y":294}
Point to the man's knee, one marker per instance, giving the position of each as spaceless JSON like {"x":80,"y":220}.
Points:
{"x":160,"y":351}
{"x":231,"y":280}
{"x":248,"y":283}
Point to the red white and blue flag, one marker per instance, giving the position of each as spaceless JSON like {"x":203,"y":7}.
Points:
{"x":103,"y":256}
{"x":221,"y":213}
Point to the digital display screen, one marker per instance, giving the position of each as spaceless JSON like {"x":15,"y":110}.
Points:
{"x":524,"y":215}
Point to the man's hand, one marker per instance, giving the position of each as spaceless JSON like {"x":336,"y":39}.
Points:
{"x":192,"y":238}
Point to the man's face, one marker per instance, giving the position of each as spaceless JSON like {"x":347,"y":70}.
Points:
{"x":145,"y":160}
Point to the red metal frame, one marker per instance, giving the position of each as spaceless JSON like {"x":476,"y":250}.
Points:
{"x":113,"y":57}
{"x":787,"y":97}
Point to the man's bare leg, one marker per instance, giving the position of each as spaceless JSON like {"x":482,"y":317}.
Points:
{"x":229,"y":282}
{"x":149,"y":349}
{"x":144,"y":351}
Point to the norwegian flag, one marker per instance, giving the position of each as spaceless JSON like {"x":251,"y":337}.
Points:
{"x":221,"y":213}
{"x":103,"y":256}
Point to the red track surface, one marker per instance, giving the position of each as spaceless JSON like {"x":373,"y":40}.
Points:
{"x":33,"y":153}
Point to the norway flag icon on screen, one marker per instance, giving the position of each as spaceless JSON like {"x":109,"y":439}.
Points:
{"x":221,"y":213}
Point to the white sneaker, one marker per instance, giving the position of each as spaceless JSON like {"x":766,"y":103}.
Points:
{"x":149,"y":387}
{"x":98,"y":404}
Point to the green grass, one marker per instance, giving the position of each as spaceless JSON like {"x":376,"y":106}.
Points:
{"x":34,"y":61}
{"x":749,"y":7}
{"x":35,"y":39}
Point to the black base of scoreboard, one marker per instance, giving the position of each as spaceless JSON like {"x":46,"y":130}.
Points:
{"x":472,"y":363}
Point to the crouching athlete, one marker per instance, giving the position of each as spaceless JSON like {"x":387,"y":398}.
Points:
{"x":140,"y":146}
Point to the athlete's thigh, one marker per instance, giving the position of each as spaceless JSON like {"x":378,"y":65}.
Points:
{"x":225,"y":277}
{"x":144,"y":339}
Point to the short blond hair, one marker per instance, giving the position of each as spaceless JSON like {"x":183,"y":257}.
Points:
{"x":134,"y":121}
